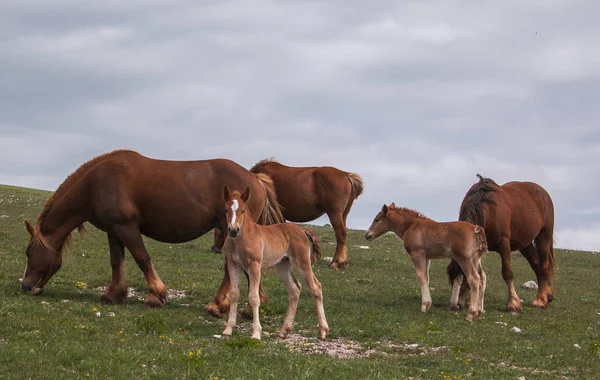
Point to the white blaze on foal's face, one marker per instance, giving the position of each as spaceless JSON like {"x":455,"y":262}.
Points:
{"x":234,"y":207}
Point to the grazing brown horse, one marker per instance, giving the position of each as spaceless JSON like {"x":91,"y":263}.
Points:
{"x":128,"y":195}
{"x":306,"y":193}
{"x":250,"y":247}
{"x":425,"y":239}
{"x":515,"y":216}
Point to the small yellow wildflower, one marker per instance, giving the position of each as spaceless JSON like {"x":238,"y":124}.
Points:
{"x":87,"y":374}
{"x":80,"y":284}
{"x":430,"y":323}
{"x":122,"y":340}
{"x":94,"y":309}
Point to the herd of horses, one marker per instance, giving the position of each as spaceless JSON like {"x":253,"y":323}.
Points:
{"x":127,"y":195}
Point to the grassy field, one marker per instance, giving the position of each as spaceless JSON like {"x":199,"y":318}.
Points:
{"x":372,"y":308}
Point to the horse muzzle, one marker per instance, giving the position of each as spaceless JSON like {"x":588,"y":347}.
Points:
{"x":233,"y":231}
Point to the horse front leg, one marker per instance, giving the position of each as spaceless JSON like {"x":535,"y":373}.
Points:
{"x":117,"y":290}
{"x":131,"y":237}
{"x":422,"y":271}
{"x":254,"y":299}
{"x":513,"y":304}
{"x":235,"y":272}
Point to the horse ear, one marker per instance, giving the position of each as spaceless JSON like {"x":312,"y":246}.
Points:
{"x":29,"y":228}
{"x":384,"y":209}
{"x":246,"y":195}
{"x":226,"y":193}
{"x":393,"y":205}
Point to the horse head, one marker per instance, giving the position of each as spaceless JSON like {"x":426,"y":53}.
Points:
{"x":43,"y":261}
{"x":235,"y":210}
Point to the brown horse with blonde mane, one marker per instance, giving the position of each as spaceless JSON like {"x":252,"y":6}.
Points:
{"x":128,"y":195}
{"x":425,"y":239}
{"x":306,"y":193}
{"x":515,"y":216}
{"x":251,"y":247}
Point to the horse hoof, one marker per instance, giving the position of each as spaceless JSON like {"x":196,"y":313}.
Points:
{"x":155,"y":301}
{"x":540,"y":303}
{"x":469,"y":317}
{"x":338,"y":265}
{"x":514,"y":310}
{"x":213,"y":310}
{"x":111,"y":298}
{"x":323,"y":334}
{"x":455,"y":307}
{"x":214,"y":249}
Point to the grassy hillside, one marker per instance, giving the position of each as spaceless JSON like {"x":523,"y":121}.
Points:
{"x":377,"y":330}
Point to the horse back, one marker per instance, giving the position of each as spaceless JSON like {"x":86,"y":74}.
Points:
{"x":520,"y":211}
{"x":441,"y":239}
{"x":171,"y":201}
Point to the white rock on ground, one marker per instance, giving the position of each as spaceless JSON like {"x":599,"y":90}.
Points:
{"x":530,"y":285}
{"x":515,"y":329}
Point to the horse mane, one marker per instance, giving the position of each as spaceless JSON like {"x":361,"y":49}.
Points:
{"x":409,"y":211}
{"x":477,"y":195}
{"x":38,"y":238}
{"x":262,"y":163}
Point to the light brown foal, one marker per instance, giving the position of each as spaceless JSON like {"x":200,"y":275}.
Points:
{"x":250,"y":247}
{"x":425,"y":239}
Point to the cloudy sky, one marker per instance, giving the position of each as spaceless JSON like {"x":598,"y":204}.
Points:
{"x":415,"y":96}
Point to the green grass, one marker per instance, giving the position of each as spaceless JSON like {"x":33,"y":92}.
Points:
{"x":375,"y":303}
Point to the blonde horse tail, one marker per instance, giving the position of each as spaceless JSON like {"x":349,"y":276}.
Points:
{"x":480,"y":241}
{"x":357,"y":184}
{"x":271,"y":213}
{"x":316,"y":252}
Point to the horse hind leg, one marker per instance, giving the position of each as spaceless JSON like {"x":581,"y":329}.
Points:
{"x":132,"y":239}
{"x":284,"y":270}
{"x":513,"y":304}
{"x":456,"y":286}
{"x":315,"y":289}
{"x":340,"y":258}
{"x":221,"y":302}
{"x":218,"y":241}
{"x":117,"y":290}
{"x":483,"y":285}
{"x":543,"y":244}
{"x":474,"y":280}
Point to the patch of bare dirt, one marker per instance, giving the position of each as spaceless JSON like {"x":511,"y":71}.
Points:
{"x":339,"y":348}
{"x":343,"y":348}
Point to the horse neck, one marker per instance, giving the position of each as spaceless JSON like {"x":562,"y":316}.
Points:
{"x":63,"y":217}
{"x":250,"y":227}
{"x":400,"y":223}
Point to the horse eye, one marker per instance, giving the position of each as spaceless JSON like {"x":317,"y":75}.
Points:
{"x":243,"y":211}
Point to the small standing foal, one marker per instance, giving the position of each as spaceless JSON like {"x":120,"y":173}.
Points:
{"x":250,"y":247}
{"x":425,"y":239}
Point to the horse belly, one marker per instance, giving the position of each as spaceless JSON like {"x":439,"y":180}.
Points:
{"x":175,"y":230}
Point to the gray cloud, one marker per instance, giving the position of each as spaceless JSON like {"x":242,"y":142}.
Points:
{"x":417,"y":97}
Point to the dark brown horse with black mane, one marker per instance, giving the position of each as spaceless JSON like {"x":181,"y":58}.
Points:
{"x":306,"y":193}
{"x":128,"y":195}
{"x":515,"y":216}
